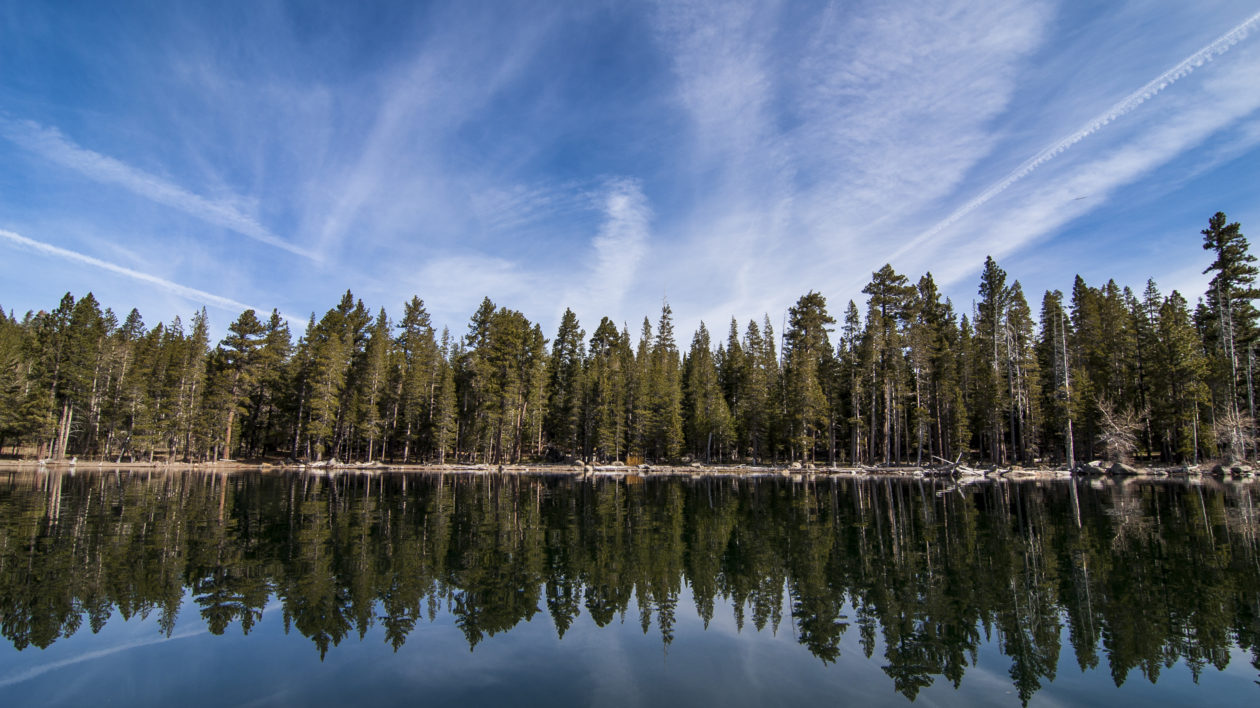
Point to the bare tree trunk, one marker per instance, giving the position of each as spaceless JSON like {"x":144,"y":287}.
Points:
{"x":227,"y":437}
{"x":1067,"y":388}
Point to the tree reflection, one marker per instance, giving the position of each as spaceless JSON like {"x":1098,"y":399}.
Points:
{"x":924,"y":572}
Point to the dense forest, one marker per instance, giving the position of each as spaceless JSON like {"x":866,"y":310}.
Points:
{"x":1101,"y":371}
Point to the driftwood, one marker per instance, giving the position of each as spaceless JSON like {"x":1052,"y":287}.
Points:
{"x":955,"y":468}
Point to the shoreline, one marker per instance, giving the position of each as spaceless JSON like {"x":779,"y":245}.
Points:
{"x":796,"y":472}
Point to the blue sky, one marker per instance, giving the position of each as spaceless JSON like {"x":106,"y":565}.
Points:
{"x":726,"y":156}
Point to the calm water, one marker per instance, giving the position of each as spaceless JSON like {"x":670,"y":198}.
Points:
{"x":140,"y":587}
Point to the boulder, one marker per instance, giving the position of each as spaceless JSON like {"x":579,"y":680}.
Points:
{"x":794,"y":466}
{"x":1121,"y":468}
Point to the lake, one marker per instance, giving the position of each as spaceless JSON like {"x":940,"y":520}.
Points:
{"x":143,"y":587}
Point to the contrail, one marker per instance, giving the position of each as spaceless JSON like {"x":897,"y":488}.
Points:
{"x":182,"y":290}
{"x":1125,"y":106}
{"x":52,"y":145}
{"x":45,"y":668}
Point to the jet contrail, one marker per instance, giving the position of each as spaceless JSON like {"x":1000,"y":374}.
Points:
{"x":182,"y":290}
{"x":52,"y":145}
{"x":1123,"y":107}
{"x":89,"y":656}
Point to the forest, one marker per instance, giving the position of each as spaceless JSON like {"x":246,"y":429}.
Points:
{"x":1097,"y":372}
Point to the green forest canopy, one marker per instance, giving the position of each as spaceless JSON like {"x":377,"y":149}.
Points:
{"x":1101,"y":371}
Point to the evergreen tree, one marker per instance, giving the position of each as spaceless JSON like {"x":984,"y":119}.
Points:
{"x":993,"y":350}
{"x":708,"y":422}
{"x":852,"y":357}
{"x":416,"y":381}
{"x":238,"y":355}
{"x":1179,"y":380}
{"x":446,"y":410}
{"x":564,"y":406}
{"x":607,"y":388}
{"x":808,"y":376}
{"x":664,"y":392}
{"x":1231,"y":326}
{"x":888,"y":311}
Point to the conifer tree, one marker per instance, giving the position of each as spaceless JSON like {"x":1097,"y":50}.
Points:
{"x":1053,"y":359}
{"x":665,"y":391}
{"x":446,"y":410}
{"x":564,"y":405}
{"x":1231,"y":325}
{"x":374,"y":384}
{"x":708,"y":424}
{"x":887,"y":314}
{"x":238,"y":352}
{"x":851,"y":368}
{"x":642,"y":420}
{"x":415,"y":383}
{"x":808,"y":375}
{"x":607,"y":387}
{"x":1179,"y":378}
{"x":1023,"y":378}
{"x":992,"y":340}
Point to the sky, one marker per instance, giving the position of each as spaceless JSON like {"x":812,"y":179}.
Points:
{"x":724,"y":157}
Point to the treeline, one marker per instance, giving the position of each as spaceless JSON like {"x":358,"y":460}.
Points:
{"x":1098,"y":372}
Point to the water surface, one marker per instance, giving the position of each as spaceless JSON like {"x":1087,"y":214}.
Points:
{"x":147,"y":588}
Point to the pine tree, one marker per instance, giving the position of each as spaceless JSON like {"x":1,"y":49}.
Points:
{"x":192,"y":372}
{"x":808,"y":375}
{"x":607,"y":387}
{"x":416,"y":382}
{"x":642,"y":421}
{"x":993,"y":339}
{"x":733,"y":372}
{"x":238,"y":352}
{"x":1053,"y":361}
{"x":446,"y":410}
{"x":1231,"y":327}
{"x":564,"y":406}
{"x":707,"y":418}
{"x":1023,"y":377}
{"x":851,"y":367}
{"x":374,"y":387}
{"x":1179,"y":380}
{"x":665,"y":435}
{"x":888,"y":311}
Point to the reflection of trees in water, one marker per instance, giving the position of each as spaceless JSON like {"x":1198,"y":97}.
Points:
{"x":1154,"y":573}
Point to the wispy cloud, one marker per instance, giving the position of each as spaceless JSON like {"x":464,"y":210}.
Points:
{"x":1121,"y":108}
{"x":618,"y":248}
{"x":457,"y":151}
{"x":50,"y":144}
{"x":517,"y":207}
{"x":402,"y":155}
{"x":809,"y":128}
{"x":1225,"y":99}
{"x":193,"y":294}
